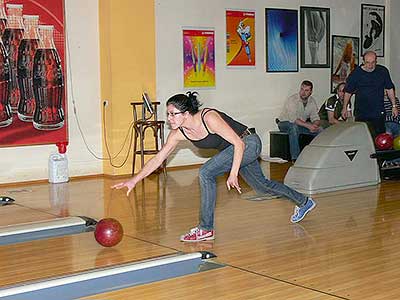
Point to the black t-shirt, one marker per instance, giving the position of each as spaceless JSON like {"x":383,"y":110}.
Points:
{"x":369,"y":89}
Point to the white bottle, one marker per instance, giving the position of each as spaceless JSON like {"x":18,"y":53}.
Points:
{"x":58,"y":165}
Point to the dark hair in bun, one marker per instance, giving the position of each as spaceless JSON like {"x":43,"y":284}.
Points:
{"x":186,"y":102}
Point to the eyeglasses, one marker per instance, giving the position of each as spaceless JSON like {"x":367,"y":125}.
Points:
{"x":173,"y":113}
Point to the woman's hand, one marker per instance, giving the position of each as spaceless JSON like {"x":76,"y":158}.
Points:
{"x":233,"y":182}
{"x":174,"y":137}
{"x":130,"y":184}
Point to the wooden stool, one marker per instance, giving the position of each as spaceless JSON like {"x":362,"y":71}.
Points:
{"x":141,"y":125}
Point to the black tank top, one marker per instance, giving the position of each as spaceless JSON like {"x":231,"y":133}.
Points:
{"x":212,"y":140}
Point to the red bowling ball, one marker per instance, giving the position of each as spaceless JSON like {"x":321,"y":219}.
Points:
{"x":108,"y":232}
{"x":384,"y":141}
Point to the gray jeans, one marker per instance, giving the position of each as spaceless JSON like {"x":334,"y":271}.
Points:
{"x":251,"y":172}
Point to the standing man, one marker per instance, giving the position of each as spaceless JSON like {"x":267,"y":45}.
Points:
{"x":299,"y":115}
{"x":369,"y":82}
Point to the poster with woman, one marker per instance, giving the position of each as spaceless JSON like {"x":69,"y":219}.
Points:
{"x":345,"y":53}
{"x":32,"y":71}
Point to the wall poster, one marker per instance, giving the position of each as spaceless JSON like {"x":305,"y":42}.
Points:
{"x":198,"y":58}
{"x":240,"y":38}
{"x":33,"y":106}
{"x":281,"y":28}
{"x":345,"y":53}
{"x":373,"y":29}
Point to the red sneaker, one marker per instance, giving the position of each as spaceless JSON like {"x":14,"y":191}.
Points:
{"x":197,"y":235}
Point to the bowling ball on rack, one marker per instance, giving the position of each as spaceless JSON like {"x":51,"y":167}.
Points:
{"x":396,"y":143}
{"x":108,"y":232}
{"x":384,"y":141}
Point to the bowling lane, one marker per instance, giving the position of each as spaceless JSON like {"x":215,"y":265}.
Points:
{"x":17,"y":233}
{"x":116,"y":277}
{"x":84,"y":198}
{"x":15,"y":214}
{"x":223,"y":283}
{"x":59,"y":256}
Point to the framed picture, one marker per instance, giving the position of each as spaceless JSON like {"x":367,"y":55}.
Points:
{"x":281,"y":27}
{"x":198,"y":57}
{"x":345,"y":55}
{"x":373,"y":29}
{"x":240,"y":38}
{"x":315,"y":37}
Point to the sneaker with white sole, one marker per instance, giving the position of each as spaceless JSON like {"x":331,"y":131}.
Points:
{"x":301,"y":212}
{"x":197,"y":235}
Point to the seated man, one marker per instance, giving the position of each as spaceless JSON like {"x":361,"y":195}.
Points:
{"x":392,"y":123}
{"x":297,"y":110}
{"x":330,"y":112}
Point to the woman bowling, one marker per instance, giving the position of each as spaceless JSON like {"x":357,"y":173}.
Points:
{"x":239,"y":148}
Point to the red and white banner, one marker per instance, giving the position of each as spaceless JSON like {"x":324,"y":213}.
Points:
{"x":51,"y":121}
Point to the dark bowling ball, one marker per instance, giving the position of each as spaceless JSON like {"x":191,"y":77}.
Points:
{"x":108,"y":232}
{"x":384,"y":141}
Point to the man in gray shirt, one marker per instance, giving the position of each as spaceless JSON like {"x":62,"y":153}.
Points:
{"x":300,"y":115}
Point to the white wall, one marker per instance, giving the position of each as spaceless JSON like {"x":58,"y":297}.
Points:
{"x":393,"y":9}
{"x":83,"y":83}
{"x":252,"y":96}
{"x":249,"y":95}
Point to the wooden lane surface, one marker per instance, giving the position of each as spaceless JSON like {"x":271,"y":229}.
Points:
{"x":78,"y":197}
{"x":41,"y":259}
{"x":15,"y":214}
{"x":348,"y":246}
{"x":218,"y":284}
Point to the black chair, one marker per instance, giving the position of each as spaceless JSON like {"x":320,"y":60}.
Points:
{"x":279,"y":143}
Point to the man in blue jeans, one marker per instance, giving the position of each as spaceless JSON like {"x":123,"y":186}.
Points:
{"x":392,"y":124}
{"x":300,"y":115}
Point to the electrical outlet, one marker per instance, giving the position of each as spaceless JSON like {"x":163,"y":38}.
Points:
{"x":105,"y":102}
